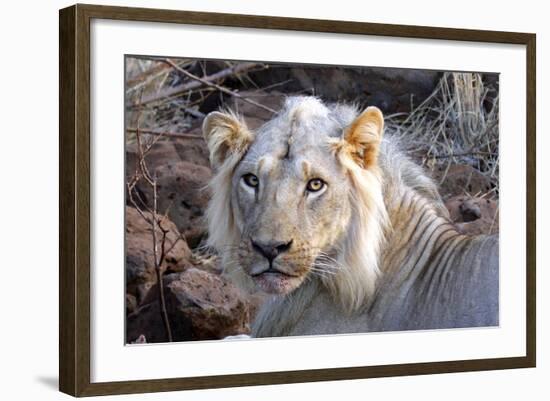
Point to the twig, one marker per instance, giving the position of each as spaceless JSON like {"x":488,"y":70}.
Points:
{"x":144,"y":78}
{"x":187,"y":108}
{"x":194,"y":113}
{"x":218,"y":87}
{"x":158,"y":262}
{"x":142,"y":172}
{"x":195,"y":84}
{"x":164,"y":133}
{"x":463,"y":154}
{"x":275,"y":85}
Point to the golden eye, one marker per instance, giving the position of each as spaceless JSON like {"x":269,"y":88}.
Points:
{"x":251,"y":180}
{"x":315,"y":185}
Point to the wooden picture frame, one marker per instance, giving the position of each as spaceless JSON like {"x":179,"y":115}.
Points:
{"x":75,"y":206}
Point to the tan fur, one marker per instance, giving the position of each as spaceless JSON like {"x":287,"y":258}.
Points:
{"x":355,"y":284}
{"x":226,"y":135}
{"x":364,"y":135}
{"x":228,"y":139}
{"x":358,"y":152}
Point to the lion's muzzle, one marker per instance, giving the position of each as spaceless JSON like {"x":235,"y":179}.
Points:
{"x":271,"y":250}
{"x":274,"y":273}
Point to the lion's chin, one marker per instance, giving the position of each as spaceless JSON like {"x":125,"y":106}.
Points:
{"x":277,"y":283}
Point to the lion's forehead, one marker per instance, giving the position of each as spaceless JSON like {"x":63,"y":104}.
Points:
{"x":278,"y":138}
{"x":303,"y":121}
{"x":290,"y":161}
{"x":291,"y":144}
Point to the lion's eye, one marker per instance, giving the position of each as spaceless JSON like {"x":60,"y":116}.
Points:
{"x":315,"y":185}
{"x":251,"y":180}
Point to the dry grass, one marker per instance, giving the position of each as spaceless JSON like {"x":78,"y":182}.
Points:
{"x":152,"y":90}
{"x":146,"y":77}
{"x":456,"y":124}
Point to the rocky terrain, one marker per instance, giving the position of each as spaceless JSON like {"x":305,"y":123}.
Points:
{"x":199,"y":303}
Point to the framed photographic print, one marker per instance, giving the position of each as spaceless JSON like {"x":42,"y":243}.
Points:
{"x":279,"y":200}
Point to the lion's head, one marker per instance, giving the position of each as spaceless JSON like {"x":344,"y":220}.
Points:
{"x":300,"y":197}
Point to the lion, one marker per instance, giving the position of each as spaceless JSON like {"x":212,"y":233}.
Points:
{"x":322,"y":211}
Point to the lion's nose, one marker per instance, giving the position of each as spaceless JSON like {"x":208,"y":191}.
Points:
{"x":271,"y":249}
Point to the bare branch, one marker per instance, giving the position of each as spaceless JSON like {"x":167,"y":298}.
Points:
{"x":165,"y":133}
{"x":142,"y":172}
{"x":206,"y":82}
{"x":472,"y":153}
{"x":194,"y":84}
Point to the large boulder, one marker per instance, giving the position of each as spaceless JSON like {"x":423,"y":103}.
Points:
{"x":162,"y":152}
{"x":181,"y":193}
{"x":131,"y":303}
{"x":200,"y":306}
{"x":193,"y":150}
{"x":181,"y":168}
{"x":140,"y":261}
{"x":169,"y":150}
{"x":391,"y":89}
{"x":254,"y":115}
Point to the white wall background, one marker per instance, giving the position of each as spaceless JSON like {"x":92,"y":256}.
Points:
{"x":29,"y":185}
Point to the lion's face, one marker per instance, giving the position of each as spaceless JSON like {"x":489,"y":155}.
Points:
{"x":289,"y":196}
{"x":289,"y":193}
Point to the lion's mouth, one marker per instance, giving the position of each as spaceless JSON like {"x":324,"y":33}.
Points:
{"x":274,"y":281}
{"x":271,"y":270}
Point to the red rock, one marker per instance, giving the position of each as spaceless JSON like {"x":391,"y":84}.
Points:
{"x":474,"y":215}
{"x":200,"y":306}
{"x":460,"y":179}
{"x":140,"y":264}
{"x":181,"y":191}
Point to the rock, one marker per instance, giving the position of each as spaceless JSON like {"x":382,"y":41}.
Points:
{"x":394,"y":89}
{"x":193,"y":150}
{"x":131,"y":303}
{"x":182,"y":170}
{"x":200,"y":306}
{"x":391,"y":89}
{"x":170,"y":150}
{"x":140,"y":265}
{"x":470,"y":210}
{"x":181,"y":192}
{"x":460,"y":179}
{"x":215,"y":306}
{"x":238,"y":337}
{"x":254,"y":115}
{"x":474,"y":216}
{"x":147,"y":321}
{"x":140,"y":340}
{"x":254,"y":123}
{"x":162,"y":152}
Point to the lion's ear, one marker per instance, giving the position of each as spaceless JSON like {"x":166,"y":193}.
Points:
{"x":363,"y":136}
{"x":225,"y":134}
